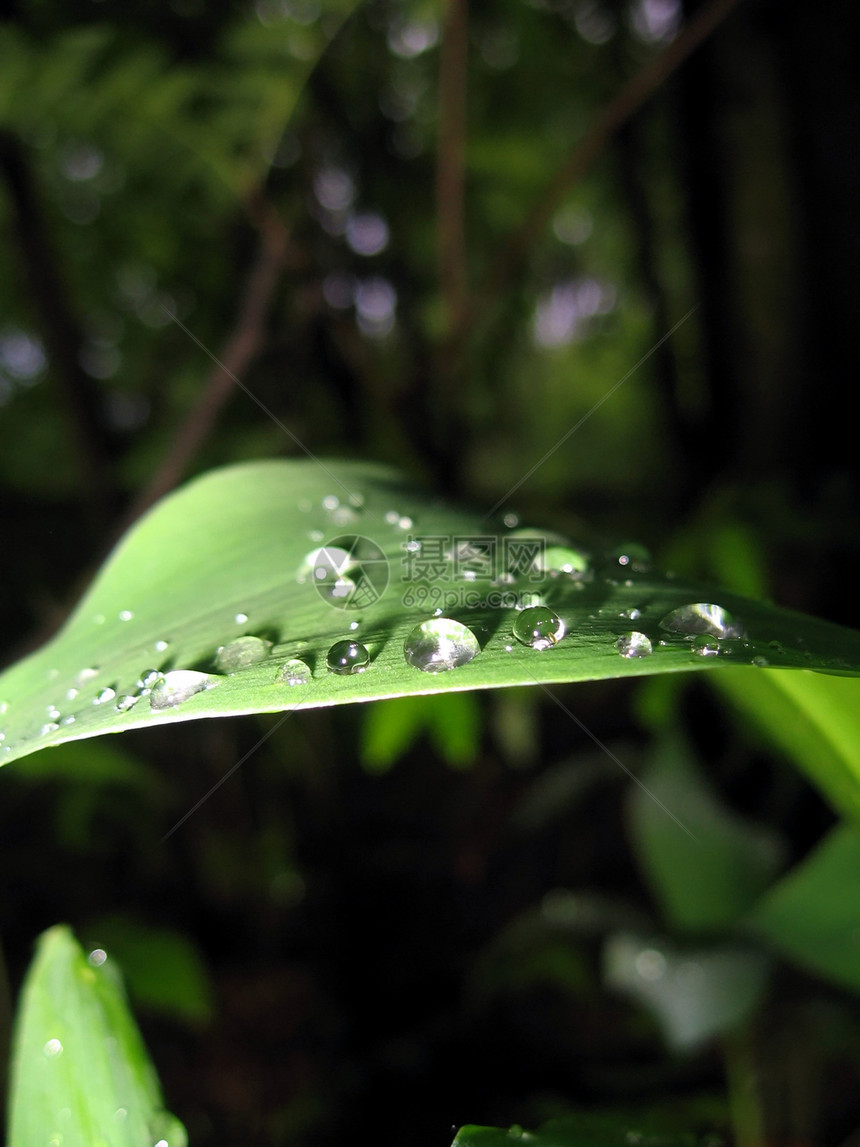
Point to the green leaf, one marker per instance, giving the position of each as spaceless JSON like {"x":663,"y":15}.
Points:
{"x":390,"y":727}
{"x":80,"y":1072}
{"x":813,"y":914}
{"x":230,"y":556}
{"x":813,"y":718}
{"x":162,"y":968}
{"x":706,"y":877}
{"x":586,"y":1130}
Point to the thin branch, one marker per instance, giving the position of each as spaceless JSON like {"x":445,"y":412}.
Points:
{"x":243,"y":345}
{"x":616,"y":113}
{"x":59,"y":325}
{"x":450,"y":161}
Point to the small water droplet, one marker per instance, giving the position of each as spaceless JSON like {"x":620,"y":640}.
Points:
{"x":440,"y":644}
{"x":353,"y":625}
{"x":392,"y":517}
{"x":86,"y":675}
{"x":405,"y":523}
{"x":53,"y":1048}
{"x":177,"y":686}
{"x":97,"y":957}
{"x":53,"y":712}
{"x":241,"y":653}
{"x":71,"y":694}
{"x":413,"y":546}
{"x":160,"y":646}
{"x":148,"y":678}
{"x":760,"y":662}
{"x":347,"y":657}
{"x":4,"y":707}
{"x":125,"y":615}
{"x":330,"y":502}
{"x":240,"y":618}
{"x":702,"y":618}
{"x":295,"y":672}
{"x":539,"y":626}
{"x":511,"y":521}
{"x":126,"y":702}
{"x":70,"y":720}
{"x":105,"y":695}
{"x":634,"y":644}
{"x":49,"y":727}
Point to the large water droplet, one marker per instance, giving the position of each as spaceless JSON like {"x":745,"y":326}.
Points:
{"x":540,"y":627}
{"x":702,"y":618}
{"x":440,"y":644}
{"x":634,"y":644}
{"x":177,"y":686}
{"x":561,"y":559}
{"x":241,"y":653}
{"x":295,"y":672}
{"x":347,"y":657}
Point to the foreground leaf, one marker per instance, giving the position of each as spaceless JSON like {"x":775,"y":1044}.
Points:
{"x":238,"y":552}
{"x":80,"y":1072}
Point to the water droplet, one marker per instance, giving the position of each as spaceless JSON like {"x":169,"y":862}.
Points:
{"x":97,"y":957}
{"x":705,"y":647}
{"x":413,"y":546}
{"x":353,"y":625}
{"x":125,"y":615}
{"x":50,"y":727}
{"x":71,"y":694}
{"x":392,"y":517}
{"x":4,"y":707}
{"x":346,"y":657}
{"x":106,"y":694}
{"x":760,"y":662}
{"x":240,"y":618}
{"x":511,"y":521}
{"x":160,"y":646}
{"x":53,"y":712}
{"x":539,"y":627}
{"x":561,"y":559}
{"x":295,"y":672}
{"x":126,"y":702}
{"x":440,"y":644}
{"x":241,"y":653}
{"x":70,"y":720}
{"x":702,"y":618}
{"x":86,"y":675}
{"x":634,"y":644}
{"x":53,"y":1048}
{"x":177,"y":686}
{"x":405,"y":523}
{"x":148,"y":678}
{"x":330,"y":502}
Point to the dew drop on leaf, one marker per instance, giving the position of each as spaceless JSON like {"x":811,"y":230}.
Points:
{"x":177,"y":686}
{"x":540,"y":627}
{"x":295,"y":672}
{"x":347,"y":657}
{"x":634,"y":644}
{"x":106,"y":694}
{"x":440,"y":644}
{"x":241,"y":653}
{"x":701,"y":618}
{"x":128,"y":701}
